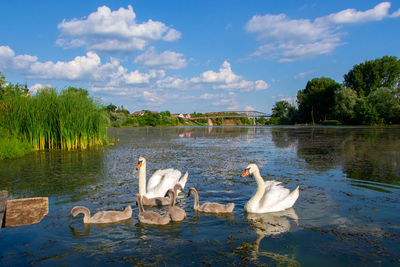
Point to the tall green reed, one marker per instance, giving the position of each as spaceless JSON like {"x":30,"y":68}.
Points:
{"x":51,"y":120}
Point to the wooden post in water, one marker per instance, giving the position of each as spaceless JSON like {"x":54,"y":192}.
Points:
{"x":26,"y":211}
{"x":23,"y":211}
{"x":3,"y":202}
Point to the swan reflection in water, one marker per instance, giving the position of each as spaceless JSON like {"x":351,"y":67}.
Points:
{"x":226,"y":216}
{"x":86,"y":228}
{"x":272,"y":224}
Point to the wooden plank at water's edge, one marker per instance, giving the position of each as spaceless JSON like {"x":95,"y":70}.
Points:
{"x":3,"y":201}
{"x":25,"y":211}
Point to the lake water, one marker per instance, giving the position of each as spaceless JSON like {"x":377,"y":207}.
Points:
{"x":347,"y":212}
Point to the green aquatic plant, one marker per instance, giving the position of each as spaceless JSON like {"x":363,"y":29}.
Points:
{"x":50,"y":120}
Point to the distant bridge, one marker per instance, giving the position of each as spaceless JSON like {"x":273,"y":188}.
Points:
{"x":232,"y":114}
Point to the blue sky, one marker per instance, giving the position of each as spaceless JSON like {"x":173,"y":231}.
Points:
{"x":192,"y":56}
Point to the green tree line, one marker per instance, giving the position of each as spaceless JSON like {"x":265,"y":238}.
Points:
{"x":369,"y":95}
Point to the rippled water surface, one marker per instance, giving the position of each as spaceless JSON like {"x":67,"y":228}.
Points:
{"x":347,"y":212}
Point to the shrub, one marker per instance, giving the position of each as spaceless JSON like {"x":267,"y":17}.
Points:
{"x":273,"y":121}
{"x":11,"y":147}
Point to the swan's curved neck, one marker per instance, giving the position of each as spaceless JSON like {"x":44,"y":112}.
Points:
{"x":260,"y":188}
{"x":142,"y":179}
{"x":196,"y":200}
{"x":86,"y":214}
{"x":173,"y":198}
{"x":140,"y":204}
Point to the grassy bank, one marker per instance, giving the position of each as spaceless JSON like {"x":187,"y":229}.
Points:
{"x":11,"y":147}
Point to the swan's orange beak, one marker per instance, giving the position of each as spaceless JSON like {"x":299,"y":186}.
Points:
{"x":139,"y":165}
{"x":245,"y":173}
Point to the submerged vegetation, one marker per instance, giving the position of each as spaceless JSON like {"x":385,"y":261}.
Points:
{"x":64,"y":120}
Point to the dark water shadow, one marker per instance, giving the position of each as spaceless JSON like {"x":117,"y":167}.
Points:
{"x":78,"y":233}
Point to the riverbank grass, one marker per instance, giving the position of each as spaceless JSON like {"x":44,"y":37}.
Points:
{"x":11,"y":148}
{"x":67,"y":120}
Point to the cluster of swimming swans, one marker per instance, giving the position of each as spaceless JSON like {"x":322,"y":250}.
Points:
{"x":164,"y":185}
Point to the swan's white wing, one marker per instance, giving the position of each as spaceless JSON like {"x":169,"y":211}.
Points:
{"x":167,"y":181}
{"x":274,"y":195}
{"x":156,"y":178}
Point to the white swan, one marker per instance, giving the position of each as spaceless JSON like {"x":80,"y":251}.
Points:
{"x":270,"y":196}
{"x":159,"y":182}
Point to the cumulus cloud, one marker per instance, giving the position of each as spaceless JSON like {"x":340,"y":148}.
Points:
{"x":208,"y":96}
{"x":225,"y":79}
{"x":293,"y":39}
{"x":165,"y":60}
{"x":153,"y":87}
{"x":173,"y":83}
{"x":379,"y":12}
{"x":81,"y":67}
{"x":152,"y":97}
{"x":249,"y":108}
{"x":113,"y":31}
{"x":224,"y":75}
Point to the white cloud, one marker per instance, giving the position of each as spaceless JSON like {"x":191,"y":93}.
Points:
{"x":81,"y":67}
{"x":225,"y":79}
{"x":261,"y":85}
{"x":225,"y":75}
{"x":304,"y":74}
{"x":113,"y":79}
{"x":135,"y":77}
{"x":173,"y":82}
{"x":208,"y":96}
{"x":106,"y":30}
{"x":165,"y":60}
{"x":293,"y":39}
{"x":351,"y":15}
{"x":6,"y":53}
{"x":249,"y":108}
{"x":152,"y":97}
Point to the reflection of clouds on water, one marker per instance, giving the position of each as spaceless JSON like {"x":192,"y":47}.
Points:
{"x":272,"y":224}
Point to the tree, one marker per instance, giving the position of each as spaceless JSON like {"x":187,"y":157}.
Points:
{"x":366,"y":112}
{"x":387,"y":105}
{"x":284,"y":112}
{"x":280,"y":109}
{"x":345,"y":100}
{"x":316,"y":100}
{"x":261,"y":121}
{"x":373,"y":74}
{"x":111,"y":108}
{"x":152,"y":119}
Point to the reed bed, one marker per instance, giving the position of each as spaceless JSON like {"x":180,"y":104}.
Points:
{"x":50,"y":120}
